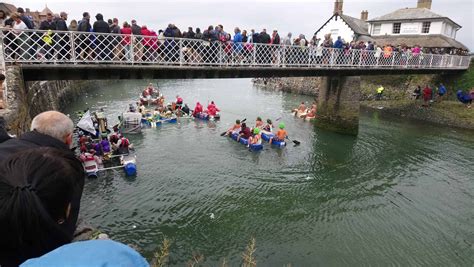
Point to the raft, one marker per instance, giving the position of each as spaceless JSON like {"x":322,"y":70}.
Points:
{"x":267,"y":135}
{"x":152,"y":123}
{"x":243,"y":141}
{"x":206,"y":117}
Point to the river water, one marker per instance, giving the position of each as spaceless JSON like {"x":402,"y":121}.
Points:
{"x":400,"y":193}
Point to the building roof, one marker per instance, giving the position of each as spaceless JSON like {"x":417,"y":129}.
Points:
{"x":45,"y":11}
{"x":411,"y":14}
{"x":359,"y":26}
{"x":423,"y":41}
{"x":9,"y":8}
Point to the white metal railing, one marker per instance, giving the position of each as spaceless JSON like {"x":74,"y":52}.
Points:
{"x":34,"y":46}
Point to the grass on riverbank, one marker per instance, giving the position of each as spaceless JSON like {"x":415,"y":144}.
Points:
{"x":450,"y":113}
{"x":160,"y":258}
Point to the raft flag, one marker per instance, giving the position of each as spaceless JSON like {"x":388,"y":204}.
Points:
{"x":86,"y":123}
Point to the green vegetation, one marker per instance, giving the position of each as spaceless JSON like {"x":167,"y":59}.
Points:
{"x":161,"y":256}
{"x":463,"y":81}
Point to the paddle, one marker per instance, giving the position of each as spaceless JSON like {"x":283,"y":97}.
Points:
{"x":222,"y":134}
{"x":296,"y":142}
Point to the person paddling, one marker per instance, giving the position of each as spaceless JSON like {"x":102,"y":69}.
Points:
{"x":259,"y":123}
{"x":212,"y":109}
{"x":179,"y":101}
{"x":234,"y":128}
{"x":244,"y":132}
{"x":256,"y":139}
{"x":197,"y":109}
{"x":280,"y":135}
{"x":269,"y":126}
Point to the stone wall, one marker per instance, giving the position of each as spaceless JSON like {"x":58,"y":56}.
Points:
{"x":24,"y":101}
{"x":298,"y":85}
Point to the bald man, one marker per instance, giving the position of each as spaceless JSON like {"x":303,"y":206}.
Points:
{"x":48,"y":129}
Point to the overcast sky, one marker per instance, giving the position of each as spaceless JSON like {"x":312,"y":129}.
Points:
{"x":297,"y":16}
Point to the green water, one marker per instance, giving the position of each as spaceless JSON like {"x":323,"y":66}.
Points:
{"x":400,"y":193}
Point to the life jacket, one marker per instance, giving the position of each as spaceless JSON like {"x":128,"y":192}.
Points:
{"x":125,"y":143}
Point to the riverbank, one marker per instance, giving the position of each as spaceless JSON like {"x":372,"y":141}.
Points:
{"x":446,"y":113}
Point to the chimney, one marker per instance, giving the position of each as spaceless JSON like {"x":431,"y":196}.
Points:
{"x":364,"y":15}
{"x":424,"y":4}
{"x":338,"y":7}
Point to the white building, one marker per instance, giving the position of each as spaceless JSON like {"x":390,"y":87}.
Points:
{"x":408,"y":26}
{"x":349,"y":28}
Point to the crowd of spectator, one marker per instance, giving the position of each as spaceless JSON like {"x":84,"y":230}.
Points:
{"x":213,"y":45}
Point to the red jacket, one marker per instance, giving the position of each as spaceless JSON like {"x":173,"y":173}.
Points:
{"x":127,"y":32}
{"x":197,"y":109}
{"x":154,"y":40}
{"x":146,"y":41}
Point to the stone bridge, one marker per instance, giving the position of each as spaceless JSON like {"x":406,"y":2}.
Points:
{"x":42,"y":56}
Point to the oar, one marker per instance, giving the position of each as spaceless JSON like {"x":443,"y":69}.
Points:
{"x":296,"y":142}
{"x":222,"y":134}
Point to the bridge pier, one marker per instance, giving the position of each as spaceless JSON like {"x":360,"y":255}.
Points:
{"x":17,"y":112}
{"x":338,"y":104}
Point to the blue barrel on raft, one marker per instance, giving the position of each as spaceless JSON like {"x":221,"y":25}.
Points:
{"x":130,"y":169}
{"x":266,"y":136}
{"x":243,"y":141}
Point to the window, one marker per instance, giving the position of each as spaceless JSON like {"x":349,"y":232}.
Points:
{"x":396,"y":28}
{"x":376,"y":29}
{"x":426,"y":27}
{"x":334,"y":32}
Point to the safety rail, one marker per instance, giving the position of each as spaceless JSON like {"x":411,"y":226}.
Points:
{"x":35,"y":46}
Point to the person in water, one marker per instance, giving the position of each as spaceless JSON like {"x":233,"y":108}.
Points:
{"x":269,"y":126}
{"x":185,"y":109}
{"x":259,"y":123}
{"x":179,"y":102}
{"x":301,"y":109}
{"x":39,"y":188}
{"x":212,"y":109}
{"x":123,"y":146}
{"x":197,"y":109}
{"x":281,"y":135}
{"x":244,"y":132}
{"x":234,"y":128}
{"x":256,"y":139}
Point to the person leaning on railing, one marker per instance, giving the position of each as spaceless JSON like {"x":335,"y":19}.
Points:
{"x":19,"y":47}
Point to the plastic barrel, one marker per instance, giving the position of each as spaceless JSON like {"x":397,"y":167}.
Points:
{"x":130,"y":169}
